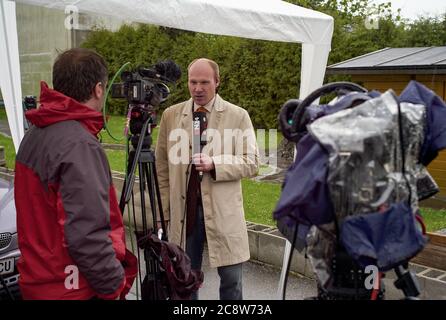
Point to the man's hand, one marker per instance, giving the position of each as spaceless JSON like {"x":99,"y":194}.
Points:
{"x":203,"y":162}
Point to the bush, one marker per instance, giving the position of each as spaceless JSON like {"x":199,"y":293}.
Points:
{"x":257,"y":75}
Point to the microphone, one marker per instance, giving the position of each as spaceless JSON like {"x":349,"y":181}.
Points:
{"x":199,"y":125}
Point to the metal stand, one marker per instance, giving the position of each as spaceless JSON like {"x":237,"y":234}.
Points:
{"x":142,"y":157}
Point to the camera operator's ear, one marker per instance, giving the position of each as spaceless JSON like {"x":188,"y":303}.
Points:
{"x":99,"y":90}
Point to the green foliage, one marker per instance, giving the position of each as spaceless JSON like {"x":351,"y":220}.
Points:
{"x":427,"y":32}
{"x":261,"y":75}
{"x":257,"y":75}
{"x":9,"y":151}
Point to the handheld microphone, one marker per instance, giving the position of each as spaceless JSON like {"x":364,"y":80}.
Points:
{"x":199,"y":125}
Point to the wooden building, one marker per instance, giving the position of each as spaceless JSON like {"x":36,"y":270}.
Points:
{"x":393,"y":68}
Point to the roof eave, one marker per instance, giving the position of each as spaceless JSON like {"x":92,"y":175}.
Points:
{"x":384,"y":70}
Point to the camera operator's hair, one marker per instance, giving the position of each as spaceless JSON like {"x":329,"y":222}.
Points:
{"x":77,"y":71}
{"x":212,"y":63}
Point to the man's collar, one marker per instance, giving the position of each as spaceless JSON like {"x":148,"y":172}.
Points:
{"x":209,"y":106}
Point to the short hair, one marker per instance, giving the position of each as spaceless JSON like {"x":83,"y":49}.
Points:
{"x":77,"y":71}
{"x":212,"y":63}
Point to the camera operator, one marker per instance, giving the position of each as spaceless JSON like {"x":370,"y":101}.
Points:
{"x":70,"y":230}
{"x":204,"y":201}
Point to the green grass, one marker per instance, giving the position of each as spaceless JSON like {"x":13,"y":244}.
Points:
{"x":9,"y":151}
{"x":263,"y":140}
{"x":259,"y":199}
{"x":116,"y":125}
{"x":2,"y":113}
{"x":116,"y":158}
{"x":434,"y":219}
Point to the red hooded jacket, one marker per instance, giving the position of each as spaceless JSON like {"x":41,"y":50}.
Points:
{"x":70,"y":228}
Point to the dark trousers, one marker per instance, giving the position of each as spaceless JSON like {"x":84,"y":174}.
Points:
{"x":230,"y":276}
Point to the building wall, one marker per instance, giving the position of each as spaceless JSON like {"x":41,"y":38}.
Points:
{"x":42,"y":35}
{"x":398,"y":82}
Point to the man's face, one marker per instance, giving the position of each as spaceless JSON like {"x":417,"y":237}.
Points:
{"x":202,"y":82}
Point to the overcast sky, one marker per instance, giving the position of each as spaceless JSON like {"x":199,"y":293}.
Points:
{"x":410,"y":9}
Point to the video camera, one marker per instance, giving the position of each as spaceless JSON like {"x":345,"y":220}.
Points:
{"x":351,"y":198}
{"x":29,"y":102}
{"x":147,"y":86}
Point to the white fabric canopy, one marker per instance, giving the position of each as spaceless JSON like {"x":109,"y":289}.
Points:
{"x":256,"y":19}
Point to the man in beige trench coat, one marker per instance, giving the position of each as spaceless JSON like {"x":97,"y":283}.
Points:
{"x":230,"y":154}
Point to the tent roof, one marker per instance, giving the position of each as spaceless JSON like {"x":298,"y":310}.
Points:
{"x":256,"y":19}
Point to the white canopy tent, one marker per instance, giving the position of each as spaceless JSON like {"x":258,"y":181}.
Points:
{"x":256,"y":19}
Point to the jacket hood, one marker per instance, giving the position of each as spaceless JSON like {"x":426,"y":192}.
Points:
{"x":56,"y":107}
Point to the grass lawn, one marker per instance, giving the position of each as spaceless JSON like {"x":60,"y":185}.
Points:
{"x":259,"y":198}
{"x":434,"y":219}
{"x":2,"y":113}
{"x":116,"y":158}
{"x":9,"y":151}
{"x":116,"y":125}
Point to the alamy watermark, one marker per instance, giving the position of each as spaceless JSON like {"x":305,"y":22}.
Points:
{"x":72,"y":18}
{"x":72,"y":278}
{"x":373,"y":278}
{"x":232,"y":146}
{"x":371,"y":22}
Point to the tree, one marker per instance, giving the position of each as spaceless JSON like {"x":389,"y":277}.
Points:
{"x":261,"y":75}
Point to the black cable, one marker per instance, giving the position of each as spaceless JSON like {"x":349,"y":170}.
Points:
{"x":185,"y":202}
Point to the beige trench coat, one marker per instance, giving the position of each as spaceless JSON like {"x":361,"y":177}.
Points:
{"x":235,"y":158}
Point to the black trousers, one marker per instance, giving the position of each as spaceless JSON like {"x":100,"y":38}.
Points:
{"x":230,"y":276}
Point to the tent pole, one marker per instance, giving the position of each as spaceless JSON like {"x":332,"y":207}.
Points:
{"x":8,"y":87}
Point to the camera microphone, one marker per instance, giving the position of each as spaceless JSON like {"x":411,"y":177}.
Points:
{"x":166,"y":70}
{"x":199,"y":126}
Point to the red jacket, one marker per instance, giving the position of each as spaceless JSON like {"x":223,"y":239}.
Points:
{"x":70,"y":228}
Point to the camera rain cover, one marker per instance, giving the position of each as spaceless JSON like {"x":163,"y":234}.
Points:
{"x":366,"y":170}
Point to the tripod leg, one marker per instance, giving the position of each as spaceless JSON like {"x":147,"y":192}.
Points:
{"x":407,"y":282}
{"x":150,"y":188}
{"x":149,"y":262}
{"x":160,"y":205}
{"x":151,"y":258}
{"x":122,"y":200}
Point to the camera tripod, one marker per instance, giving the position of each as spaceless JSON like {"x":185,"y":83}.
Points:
{"x":142,"y":157}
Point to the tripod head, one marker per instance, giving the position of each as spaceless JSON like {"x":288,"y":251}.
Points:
{"x":138,"y":115}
